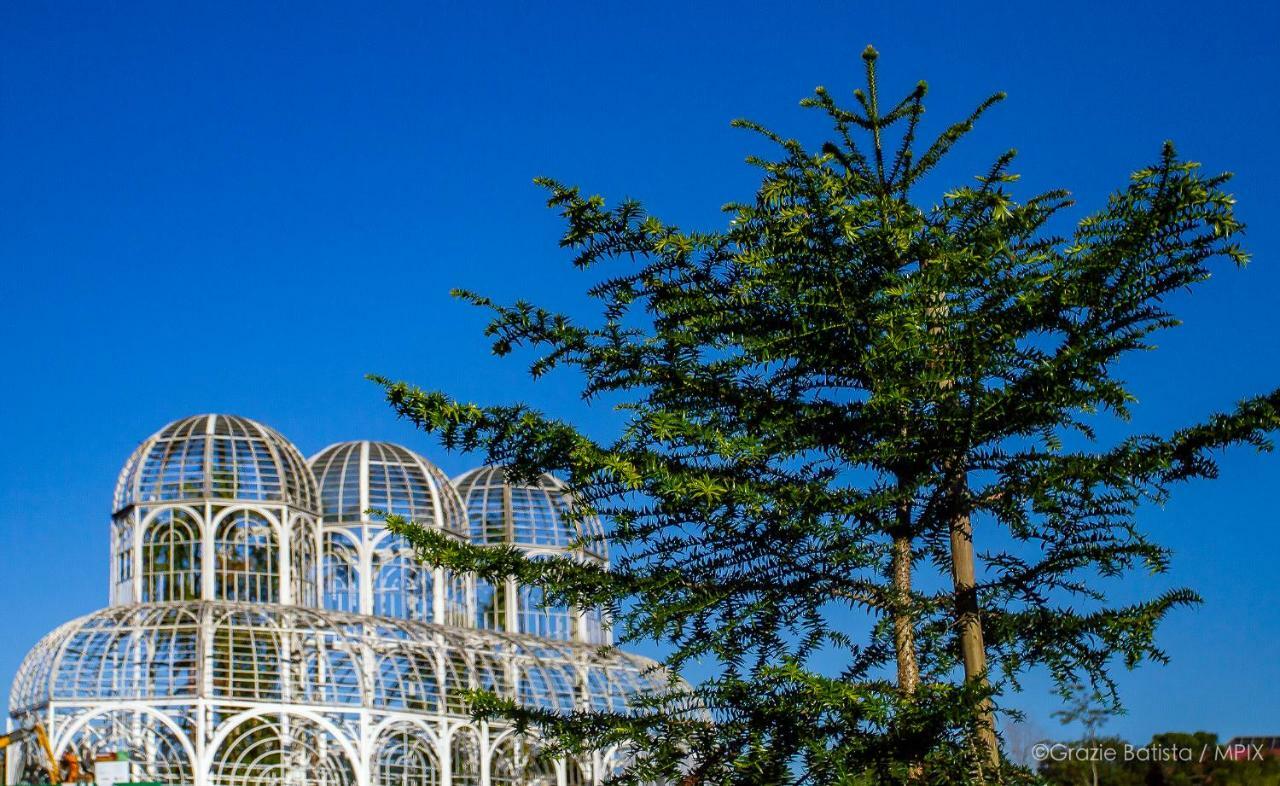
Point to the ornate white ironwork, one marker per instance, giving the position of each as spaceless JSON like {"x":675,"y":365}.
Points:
{"x":540,"y":519}
{"x":216,"y":666}
{"x":369,"y":569}
{"x":215,"y":507}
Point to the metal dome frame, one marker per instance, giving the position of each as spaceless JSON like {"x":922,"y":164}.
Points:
{"x":194,"y":688}
{"x":369,"y":569}
{"x":215,"y":507}
{"x":538,"y":518}
{"x":216,"y":457}
{"x":215,"y":664}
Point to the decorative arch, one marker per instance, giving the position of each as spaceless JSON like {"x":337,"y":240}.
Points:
{"x":158,"y":747}
{"x":268,"y":747}
{"x":405,"y":755}
{"x":520,"y":761}
{"x":464,"y":756}
{"x":247,"y":556}
{"x":171,"y":547}
{"x":616,"y":761}
{"x":402,"y":587}
{"x":342,"y":573}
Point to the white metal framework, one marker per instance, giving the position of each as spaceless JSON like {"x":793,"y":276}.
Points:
{"x":215,"y":666}
{"x":540,"y":519}
{"x":369,"y":569}
{"x":215,"y":507}
{"x":537,"y":517}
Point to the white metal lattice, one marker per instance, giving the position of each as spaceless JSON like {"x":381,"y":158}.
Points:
{"x":215,"y":664}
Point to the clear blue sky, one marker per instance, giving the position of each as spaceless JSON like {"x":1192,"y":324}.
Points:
{"x":246,"y":207}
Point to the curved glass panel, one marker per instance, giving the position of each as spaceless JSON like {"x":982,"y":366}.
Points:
{"x":216,"y":457}
{"x":536,"y":516}
{"x":154,"y":748}
{"x":269,"y":750}
{"x":356,"y":477}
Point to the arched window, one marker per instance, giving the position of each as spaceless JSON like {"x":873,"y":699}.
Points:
{"x":302,"y":554}
{"x":171,"y":558}
{"x":518,"y":762}
{"x":405,"y":756}
{"x":341,"y":572}
{"x":154,"y":748}
{"x":247,"y":559}
{"x":402,"y":586}
{"x":464,"y":753}
{"x":616,"y":763}
{"x":457,"y":608}
{"x":269,"y":750}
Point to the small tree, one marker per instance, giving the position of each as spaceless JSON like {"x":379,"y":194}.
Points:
{"x":1099,"y":760}
{"x":1086,"y":706}
{"x":831,"y":396}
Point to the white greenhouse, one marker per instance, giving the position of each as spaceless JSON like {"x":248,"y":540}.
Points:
{"x":265,"y":629}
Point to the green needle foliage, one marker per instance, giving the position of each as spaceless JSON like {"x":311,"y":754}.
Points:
{"x":831,"y":407}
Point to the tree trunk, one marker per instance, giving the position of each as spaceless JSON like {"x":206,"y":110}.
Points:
{"x":904,"y":624}
{"x":904,"y":631}
{"x":969,"y":626}
{"x":973,"y":651}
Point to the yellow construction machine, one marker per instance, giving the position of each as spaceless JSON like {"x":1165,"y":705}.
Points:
{"x":42,"y":740}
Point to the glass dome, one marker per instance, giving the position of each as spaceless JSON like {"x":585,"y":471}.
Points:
{"x":215,"y":666}
{"x":357,"y":476}
{"x":221,"y":457}
{"x":365,"y":699}
{"x":368,"y":568}
{"x":215,"y":507}
{"x":537,"y":517}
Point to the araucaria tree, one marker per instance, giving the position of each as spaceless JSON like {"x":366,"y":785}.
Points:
{"x":856,"y":473}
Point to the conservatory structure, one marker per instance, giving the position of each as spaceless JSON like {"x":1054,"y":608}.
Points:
{"x":264,"y":628}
